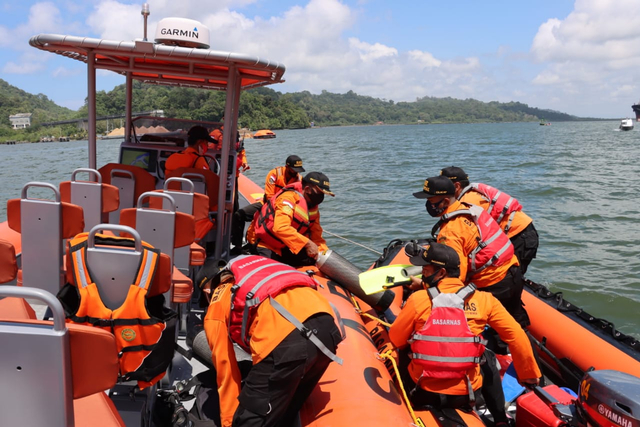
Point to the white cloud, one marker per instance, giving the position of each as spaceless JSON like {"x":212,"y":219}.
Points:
{"x":369,"y":52}
{"x":22,"y":67}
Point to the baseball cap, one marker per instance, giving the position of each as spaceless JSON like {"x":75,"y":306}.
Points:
{"x":436,"y":186}
{"x":320,"y":180}
{"x":199,"y":132}
{"x":454,"y":173}
{"x":295,"y":163}
{"x":435,"y":254}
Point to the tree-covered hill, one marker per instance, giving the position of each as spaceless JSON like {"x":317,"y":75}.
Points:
{"x":265,"y":108}
{"x":14,"y":101}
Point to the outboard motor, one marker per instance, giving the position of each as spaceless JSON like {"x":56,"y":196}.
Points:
{"x":346,"y":275}
{"x":609,"y":398}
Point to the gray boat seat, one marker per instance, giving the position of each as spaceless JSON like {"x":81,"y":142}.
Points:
{"x":95,"y":197}
{"x":101,"y":258}
{"x":131,"y":181}
{"x":188,"y":202}
{"x":43,"y":225}
{"x":165,"y":229}
{"x":65,"y":388}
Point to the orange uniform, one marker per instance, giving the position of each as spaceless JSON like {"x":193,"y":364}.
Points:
{"x":275,"y":182}
{"x":268,"y":328}
{"x":481,"y":309}
{"x":520,"y":219}
{"x":461,"y":234}
{"x":286,"y":232}
{"x":188,"y":158}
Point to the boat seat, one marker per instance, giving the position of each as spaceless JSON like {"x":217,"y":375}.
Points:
{"x":131,"y":181}
{"x":43,"y":225}
{"x":193,"y":204}
{"x":12,"y":308}
{"x":95,"y":197}
{"x":166,"y":230}
{"x":102,"y":257}
{"x":205,"y":182}
{"x":65,"y":388}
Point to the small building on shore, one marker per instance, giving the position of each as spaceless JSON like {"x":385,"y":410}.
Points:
{"x":20,"y":120}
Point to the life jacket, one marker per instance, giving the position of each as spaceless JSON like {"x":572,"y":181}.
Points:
{"x":302,"y":218}
{"x":144,"y":329}
{"x":256,"y":279}
{"x":445,"y":347}
{"x":501,"y":204}
{"x":493,"y":246}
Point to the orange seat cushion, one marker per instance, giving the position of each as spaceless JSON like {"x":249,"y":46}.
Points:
{"x":96,"y":410}
{"x":16,"y":309}
{"x":182,"y":287}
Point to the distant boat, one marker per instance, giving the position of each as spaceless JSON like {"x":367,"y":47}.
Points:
{"x":264,"y":134}
{"x":544,"y":123}
{"x":626,"y":124}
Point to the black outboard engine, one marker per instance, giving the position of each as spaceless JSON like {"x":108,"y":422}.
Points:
{"x":609,"y":398}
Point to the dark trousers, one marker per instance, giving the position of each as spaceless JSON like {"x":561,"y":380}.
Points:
{"x":525,"y":246}
{"x":509,"y":292}
{"x":240,"y":217}
{"x":492,"y":391}
{"x":277,"y":387}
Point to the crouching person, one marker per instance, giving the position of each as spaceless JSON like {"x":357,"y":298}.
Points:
{"x":442,"y":323}
{"x":274,"y":312}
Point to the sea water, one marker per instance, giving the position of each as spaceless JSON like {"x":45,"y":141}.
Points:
{"x":577,"y":180}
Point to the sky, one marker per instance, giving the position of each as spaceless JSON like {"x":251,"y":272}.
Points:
{"x":578,"y":57}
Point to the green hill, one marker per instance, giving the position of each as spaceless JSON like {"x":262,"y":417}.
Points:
{"x":14,"y":101}
{"x":265,"y":108}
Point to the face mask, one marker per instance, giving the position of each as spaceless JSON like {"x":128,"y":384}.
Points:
{"x":314,"y":199}
{"x":429,"y":280}
{"x":435,"y":210}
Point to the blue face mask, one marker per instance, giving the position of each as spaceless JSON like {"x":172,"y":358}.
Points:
{"x":435,"y":210}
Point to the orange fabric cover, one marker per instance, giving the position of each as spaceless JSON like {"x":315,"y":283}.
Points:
{"x":16,"y":309}
{"x":8,"y":264}
{"x":110,"y":195}
{"x":144,"y":180}
{"x":197,"y":254}
{"x":161,"y":281}
{"x":94,"y":359}
{"x":185,"y":232}
{"x":72,"y":218}
{"x":182,"y":287}
{"x":212,"y":180}
{"x":96,"y":410}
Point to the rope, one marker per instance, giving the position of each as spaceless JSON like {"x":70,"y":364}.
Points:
{"x":387,"y":355}
{"x":351,"y":241}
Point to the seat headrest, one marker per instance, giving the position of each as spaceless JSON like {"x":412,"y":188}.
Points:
{"x":110,"y":195}
{"x":8,"y":264}
{"x":144,"y":180}
{"x":72,"y":218}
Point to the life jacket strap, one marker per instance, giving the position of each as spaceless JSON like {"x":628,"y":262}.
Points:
{"x":447,"y":359}
{"x":306,"y":332}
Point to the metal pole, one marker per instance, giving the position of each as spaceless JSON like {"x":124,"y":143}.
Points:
{"x":91,"y":94}
{"x":128,"y":107}
{"x":145,"y":13}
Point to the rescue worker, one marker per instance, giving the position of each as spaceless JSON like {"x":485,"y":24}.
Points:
{"x":438,"y":374}
{"x":503,"y":208}
{"x":486,"y":254}
{"x":276,"y":180}
{"x":287,"y":227}
{"x":287,"y":364}
{"x":198,"y":139}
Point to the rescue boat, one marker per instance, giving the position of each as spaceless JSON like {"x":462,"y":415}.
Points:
{"x":69,"y":373}
{"x":264,"y":134}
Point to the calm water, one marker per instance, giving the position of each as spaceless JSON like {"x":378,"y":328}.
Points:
{"x":578,"y":181}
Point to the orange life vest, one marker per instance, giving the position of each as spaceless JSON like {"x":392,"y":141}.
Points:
{"x":501,"y":204}
{"x":145,"y":342}
{"x":493,"y":245}
{"x":302,"y":218}
{"x":445,"y":347}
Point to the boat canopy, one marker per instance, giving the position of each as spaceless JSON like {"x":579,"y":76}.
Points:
{"x":163,"y":64}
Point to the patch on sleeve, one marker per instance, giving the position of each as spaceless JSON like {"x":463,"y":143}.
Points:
{"x":287,"y":206}
{"x":272,"y":179}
